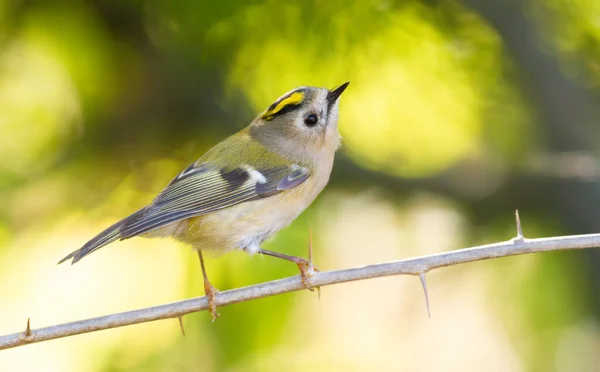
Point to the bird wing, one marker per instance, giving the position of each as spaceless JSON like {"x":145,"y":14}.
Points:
{"x":204,"y":188}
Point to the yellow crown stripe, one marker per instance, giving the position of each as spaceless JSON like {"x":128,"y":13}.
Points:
{"x":295,"y":98}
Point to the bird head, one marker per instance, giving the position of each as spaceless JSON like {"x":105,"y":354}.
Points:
{"x":302,"y":123}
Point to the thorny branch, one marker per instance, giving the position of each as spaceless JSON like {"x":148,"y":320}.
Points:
{"x":414,"y":266}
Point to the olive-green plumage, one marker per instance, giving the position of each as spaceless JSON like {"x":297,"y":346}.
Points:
{"x":247,"y":187}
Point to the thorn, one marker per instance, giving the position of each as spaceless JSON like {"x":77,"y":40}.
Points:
{"x":28,"y":329}
{"x":519,"y":228}
{"x":310,"y":240}
{"x":311,"y":267}
{"x":180,"y":318}
{"x":27,"y":335}
{"x":424,"y":284}
{"x":519,"y":238}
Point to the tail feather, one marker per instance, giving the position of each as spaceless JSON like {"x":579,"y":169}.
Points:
{"x":106,"y":237}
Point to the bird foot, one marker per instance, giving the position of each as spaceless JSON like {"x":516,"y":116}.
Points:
{"x":307,"y":269}
{"x":211,"y":295}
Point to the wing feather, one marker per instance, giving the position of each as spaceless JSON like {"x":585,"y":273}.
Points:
{"x":205,"y":189}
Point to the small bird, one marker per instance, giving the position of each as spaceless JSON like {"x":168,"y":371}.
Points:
{"x":246,"y":188}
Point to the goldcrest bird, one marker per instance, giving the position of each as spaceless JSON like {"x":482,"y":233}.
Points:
{"x":246,"y":188}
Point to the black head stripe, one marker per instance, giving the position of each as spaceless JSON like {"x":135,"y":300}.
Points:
{"x":285,"y":104}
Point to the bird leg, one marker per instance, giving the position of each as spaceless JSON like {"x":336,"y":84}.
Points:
{"x":209,"y":290}
{"x":306,"y":267}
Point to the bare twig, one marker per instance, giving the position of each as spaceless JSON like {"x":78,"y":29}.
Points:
{"x":415,"y":266}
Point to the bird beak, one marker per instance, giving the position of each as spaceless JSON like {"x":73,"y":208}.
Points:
{"x":334,"y":94}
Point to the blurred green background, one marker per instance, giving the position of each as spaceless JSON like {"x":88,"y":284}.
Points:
{"x":459,"y":112}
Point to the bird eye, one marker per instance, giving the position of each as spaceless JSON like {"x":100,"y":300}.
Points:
{"x":311,"y":120}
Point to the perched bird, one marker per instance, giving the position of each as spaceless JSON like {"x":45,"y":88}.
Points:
{"x":246,"y":188}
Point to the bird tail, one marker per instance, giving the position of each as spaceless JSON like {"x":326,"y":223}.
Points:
{"x":106,"y":237}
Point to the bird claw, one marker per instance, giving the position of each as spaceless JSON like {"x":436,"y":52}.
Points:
{"x":307,"y":269}
{"x":211,"y":295}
